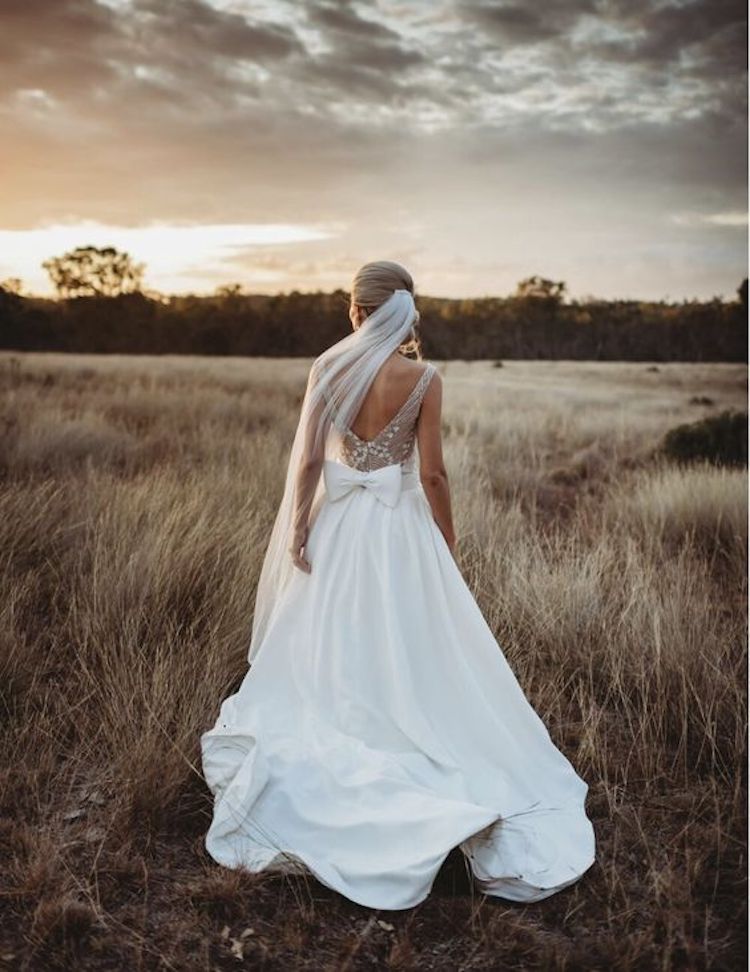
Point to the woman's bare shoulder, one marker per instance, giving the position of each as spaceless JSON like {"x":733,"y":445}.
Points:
{"x":412,"y":366}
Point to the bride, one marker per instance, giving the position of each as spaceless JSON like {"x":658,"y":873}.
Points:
{"x":379,"y":724}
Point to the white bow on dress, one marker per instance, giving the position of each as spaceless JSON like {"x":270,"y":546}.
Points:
{"x":385,"y":482}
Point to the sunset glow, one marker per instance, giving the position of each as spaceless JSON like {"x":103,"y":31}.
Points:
{"x":176,"y":257}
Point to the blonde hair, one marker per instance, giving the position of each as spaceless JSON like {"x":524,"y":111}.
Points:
{"x":374,"y":283}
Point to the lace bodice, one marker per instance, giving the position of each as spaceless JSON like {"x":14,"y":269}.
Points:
{"x":395,"y":442}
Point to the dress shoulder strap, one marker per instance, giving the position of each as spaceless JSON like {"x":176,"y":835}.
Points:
{"x":410,"y":409}
{"x":414,"y":401}
{"x":424,"y":379}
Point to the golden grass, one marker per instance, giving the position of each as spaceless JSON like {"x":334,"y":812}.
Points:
{"x":136,"y":496}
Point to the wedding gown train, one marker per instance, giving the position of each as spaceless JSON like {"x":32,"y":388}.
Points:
{"x":380,"y":725}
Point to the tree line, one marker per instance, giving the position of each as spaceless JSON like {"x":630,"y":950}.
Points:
{"x":102,"y":308}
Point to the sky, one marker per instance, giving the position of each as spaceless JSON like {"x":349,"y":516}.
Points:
{"x":281,"y":145}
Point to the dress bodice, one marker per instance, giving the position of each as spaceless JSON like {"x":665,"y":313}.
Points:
{"x":394,"y":443}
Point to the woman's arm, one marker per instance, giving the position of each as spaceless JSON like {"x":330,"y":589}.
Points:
{"x":432,"y":470}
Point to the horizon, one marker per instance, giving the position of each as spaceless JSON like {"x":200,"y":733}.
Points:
{"x":280,"y":146}
{"x":567,"y":298}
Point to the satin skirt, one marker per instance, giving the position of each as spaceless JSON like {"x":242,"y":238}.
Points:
{"x":380,"y":726}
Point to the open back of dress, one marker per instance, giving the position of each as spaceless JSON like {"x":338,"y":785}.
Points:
{"x":395,"y":442}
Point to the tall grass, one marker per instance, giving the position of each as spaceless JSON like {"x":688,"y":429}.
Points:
{"x":136,"y":498}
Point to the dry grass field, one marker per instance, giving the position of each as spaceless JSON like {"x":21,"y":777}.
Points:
{"x":136,"y":495}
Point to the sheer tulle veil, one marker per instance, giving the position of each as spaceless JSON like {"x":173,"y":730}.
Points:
{"x":336,"y":387}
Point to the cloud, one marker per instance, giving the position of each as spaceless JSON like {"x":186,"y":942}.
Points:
{"x":706,"y":31}
{"x":738,"y":219}
{"x":521,"y":24}
{"x":344,"y":19}
{"x":196,"y":27}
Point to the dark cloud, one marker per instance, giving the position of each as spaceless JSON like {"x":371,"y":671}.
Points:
{"x":365,"y":57}
{"x":55,"y":46}
{"x":197,"y":57}
{"x":197,"y":27}
{"x":91,"y":56}
{"x":519,"y":23}
{"x":363,"y":81}
{"x":344,"y":19}
{"x":713,"y":32}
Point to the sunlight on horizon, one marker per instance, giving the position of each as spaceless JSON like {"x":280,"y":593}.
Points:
{"x":178,"y":258}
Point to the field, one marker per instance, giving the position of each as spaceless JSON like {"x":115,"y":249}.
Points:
{"x":136,"y":495}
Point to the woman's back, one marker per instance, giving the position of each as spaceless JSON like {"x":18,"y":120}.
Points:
{"x":391,"y":388}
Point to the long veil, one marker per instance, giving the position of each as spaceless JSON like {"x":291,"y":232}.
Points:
{"x":336,"y":387}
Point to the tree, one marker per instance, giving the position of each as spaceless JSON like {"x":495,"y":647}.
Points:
{"x":12,"y":285}
{"x":229,"y":290}
{"x":89,"y":271}
{"x":540,"y":287}
{"x":742,"y":294}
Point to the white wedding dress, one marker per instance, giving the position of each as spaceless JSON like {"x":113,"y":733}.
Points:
{"x":380,"y":725}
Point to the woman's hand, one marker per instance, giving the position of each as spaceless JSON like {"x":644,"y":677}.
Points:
{"x":298,"y":542}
